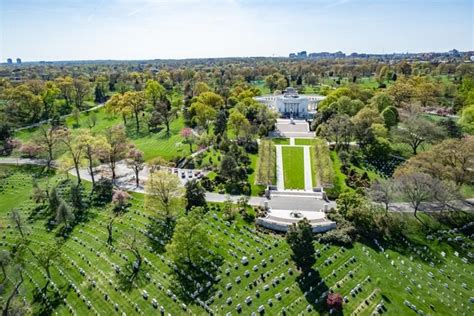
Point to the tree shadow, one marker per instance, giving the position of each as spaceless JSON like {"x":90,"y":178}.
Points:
{"x":129,"y":278}
{"x":47,"y":299}
{"x":160,"y":233}
{"x":315,"y":290}
{"x":192,"y":283}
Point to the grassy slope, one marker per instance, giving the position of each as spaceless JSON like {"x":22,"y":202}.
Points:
{"x":152,"y":145}
{"x":390,"y":280}
{"x":293,"y":167}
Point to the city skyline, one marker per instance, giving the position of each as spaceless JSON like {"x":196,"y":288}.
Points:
{"x":52,"y":30}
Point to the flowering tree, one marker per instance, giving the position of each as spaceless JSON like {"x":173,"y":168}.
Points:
{"x":189,"y":138}
{"x":120,"y":200}
{"x":135,"y":161}
{"x":30,"y":150}
{"x":334,"y":300}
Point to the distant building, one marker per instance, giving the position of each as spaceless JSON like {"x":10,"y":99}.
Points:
{"x":292,"y":55}
{"x":9,"y":61}
{"x":18,"y":60}
{"x":302,"y":54}
{"x":291,"y":104}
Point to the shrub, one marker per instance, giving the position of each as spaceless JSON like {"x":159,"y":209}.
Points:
{"x":334,"y":300}
{"x":266,"y":165}
{"x":323,"y":163}
{"x":103,"y":192}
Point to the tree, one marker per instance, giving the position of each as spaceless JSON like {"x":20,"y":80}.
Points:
{"x":347,"y":201}
{"x":100,"y":90}
{"x":221,"y":122}
{"x":4,"y":261}
{"x":239,"y":124}
{"x":337,"y":129}
{"x":116,"y":105}
{"x":30,"y":150}
{"x":416,"y":131}
{"x":120,"y":200}
{"x":80,"y":89}
{"x":74,"y":147}
{"x":450,"y":160}
{"x":18,"y":222}
{"x":136,"y":162}
{"x":22,"y":105}
{"x":467,"y":119}
{"x":401,"y":92}
{"x":300,"y":239}
{"x":381,"y":101}
{"x":444,"y":192}
{"x":334,"y":300}
{"x":195,"y":195}
{"x":48,"y":138}
{"x":202,"y":115}
{"x":135,"y":101}
{"x":190,"y":242}
{"x":133,"y":244}
{"x":118,"y":146}
{"x":189,"y":137}
{"x":93,"y":149}
{"x":164,"y":112}
{"x":54,"y":200}
{"x":65,"y":85}
{"x":6,"y":134}
{"x":64,"y":214}
{"x":426,"y":92}
{"x":46,"y":256}
{"x":49,"y":95}
{"x":382,"y":191}
{"x":415,"y":187}
{"x":164,"y":194}
{"x":390,"y":116}
{"x":363,"y":122}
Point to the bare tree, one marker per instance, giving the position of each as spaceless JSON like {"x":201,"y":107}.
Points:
{"x":382,"y":191}
{"x":18,"y":222}
{"x":415,"y":187}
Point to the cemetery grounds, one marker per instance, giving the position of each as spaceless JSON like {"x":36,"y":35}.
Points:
{"x":424,"y":273}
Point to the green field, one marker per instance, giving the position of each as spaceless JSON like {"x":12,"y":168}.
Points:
{"x":293,"y":167}
{"x":411,"y":270}
{"x":281,"y":141}
{"x":304,"y":141}
{"x":152,"y":144}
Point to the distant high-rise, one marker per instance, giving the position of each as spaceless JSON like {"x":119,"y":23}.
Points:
{"x":18,"y":60}
{"x":9,"y":61}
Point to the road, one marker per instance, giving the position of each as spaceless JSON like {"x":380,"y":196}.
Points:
{"x":277,"y":202}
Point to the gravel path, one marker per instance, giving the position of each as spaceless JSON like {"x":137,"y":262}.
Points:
{"x":308,"y":182}
{"x":279,"y":169}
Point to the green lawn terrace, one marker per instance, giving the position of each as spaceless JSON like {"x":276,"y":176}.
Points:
{"x":398,"y":276}
{"x":293,"y":167}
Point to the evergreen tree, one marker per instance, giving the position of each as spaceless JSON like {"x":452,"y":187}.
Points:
{"x":195,"y":195}
{"x":300,"y":239}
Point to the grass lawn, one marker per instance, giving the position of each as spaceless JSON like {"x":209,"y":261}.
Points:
{"x":400,"y":272}
{"x":304,"y":141}
{"x":293,"y":167}
{"x":152,"y":144}
{"x":281,"y":141}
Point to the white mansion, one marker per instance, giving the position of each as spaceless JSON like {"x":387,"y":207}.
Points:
{"x":290,"y":104}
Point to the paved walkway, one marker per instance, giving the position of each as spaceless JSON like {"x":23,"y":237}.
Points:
{"x":279,"y":169}
{"x":308,"y":181}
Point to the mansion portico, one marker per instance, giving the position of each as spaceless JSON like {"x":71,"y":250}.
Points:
{"x":291,"y":104}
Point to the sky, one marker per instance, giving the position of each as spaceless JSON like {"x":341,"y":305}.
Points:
{"x":51,"y":30}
